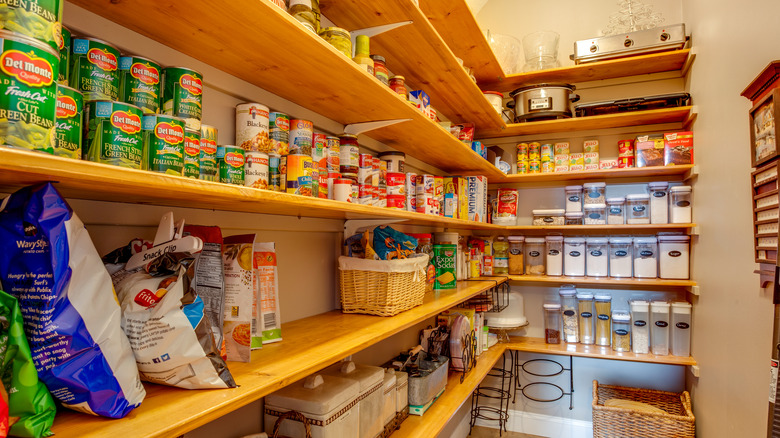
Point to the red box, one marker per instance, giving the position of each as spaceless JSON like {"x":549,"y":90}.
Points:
{"x":678,"y":148}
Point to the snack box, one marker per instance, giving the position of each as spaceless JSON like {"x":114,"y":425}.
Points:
{"x":561,"y":148}
{"x":592,"y":166}
{"x":420,"y":100}
{"x":591,"y":158}
{"x":577,"y":158}
{"x":678,"y":148}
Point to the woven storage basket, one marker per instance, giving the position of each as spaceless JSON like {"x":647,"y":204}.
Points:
{"x":381,"y":287}
{"x":611,"y":422}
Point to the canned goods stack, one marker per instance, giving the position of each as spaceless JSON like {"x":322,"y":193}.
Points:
{"x":625,"y":153}
{"x":164,"y":143}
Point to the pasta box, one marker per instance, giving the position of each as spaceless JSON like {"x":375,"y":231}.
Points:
{"x":371,"y":401}
{"x":678,"y":148}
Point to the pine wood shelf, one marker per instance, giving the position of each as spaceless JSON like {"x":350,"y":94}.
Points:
{"x":308,"y":345}
{"x":683,"y":172}
{"x":602,"y":281}
{"x":600,"y":229}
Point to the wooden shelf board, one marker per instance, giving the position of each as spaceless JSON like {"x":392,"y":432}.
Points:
{"x":596,"y":229}
{"x":615,"y":68}
{"x":626,"y":173}
{"x":537,"y":345}
{"x":306,"y":348}
{"x":635,"y":118}
{"x":603,"y":281}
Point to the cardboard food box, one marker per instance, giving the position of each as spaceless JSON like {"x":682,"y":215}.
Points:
{"x":590,"y":146}
{"x":649,"y":150}
{"x":678,"y":148}
{"x":591,"y":158}
{"x":608,"y":164}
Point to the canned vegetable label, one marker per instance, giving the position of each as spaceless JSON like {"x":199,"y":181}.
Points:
{"x":114,"y":134}
{"x":183,"y":94}
{"x":70,"y":106}
{"x":231,"y":166}
{"x":209,"y":169}
{"x":95,"y":69}
{"x":29,"y":100}
{"x":38,"y":19}
{"x":301,"y":133}
{"x":140,"y":83}
{"x":256,"y":170}
{"x":164,"y":138}
{"x":64,"y":57}
{"x":192,"y":154}
{"x":279,"y":126}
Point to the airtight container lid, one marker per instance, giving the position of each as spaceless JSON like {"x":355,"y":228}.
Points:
{"x":596,"y":240}
{"x":621,"y":316}
{"x":621,"y":240}
{"x":567,"y":291}
{"x":680,"y":189}
{"x":637,"y":197}
{"x":515,"y":238}
{"x":534,"y":240}
{"x":573,"y":188}
{"x":573,"y":214}
{"x":574,"y":240}
{"x":674,"y":238}
{"x":595,"y":206}
{"x":584,"y":296}
{"x":602,"y":297}
{"x":639,"y":305}
{"x":367,"y":376}
{"x":658,"y":185}
{"x":681,"y":307}
{"x":552,"y":306}
{"x":554,"y":238}
{"x":640,"y":240}
{"x":552,"y":212}
{"x":594,"y":185}
{"x":619,"y":200}
{"x":659,"y":305}
{"x":315,"y":395}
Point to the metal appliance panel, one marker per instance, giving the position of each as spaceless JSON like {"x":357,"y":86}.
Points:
{"x":629,"y":44}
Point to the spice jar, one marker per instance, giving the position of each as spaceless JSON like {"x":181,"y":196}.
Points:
{"x":659,"y":332}
{"x":397,"y":84}
{"x":674,"y":257}
{"x":585,"y":310}
{"x":597,"y":257}
{"x":573,"y":198}
{"x":603,"y":305}
{"x":681,"y":328}
{"x":573,"y":218}
{"x":595,"y":214}
{"x":554,"y":255}
{"x":302,"y":11}
{"x":500,"y":256}
{"x":571,"y":332}
{"x":640,"y":332}
{"x":621,"y":331}
{"x":645,"y":257}
{"x":659,"y":202}
{"x":620,"y":257}
{"x":552,"y":323}
{"x":338,"y":38}
{"x":638,"y":209}
{"x":594,"y":193}
{"x":574,"y":256}
{"x":534,"y":255}
{"x":680,"y":209}
{"x":380,"y":69}
{"x":616,"y":211}
{"x":516,"y":255}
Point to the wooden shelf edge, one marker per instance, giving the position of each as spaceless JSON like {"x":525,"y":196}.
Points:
{"x":633,"y":172}
{"x":600,"y":228}
{"x":602,"y":281}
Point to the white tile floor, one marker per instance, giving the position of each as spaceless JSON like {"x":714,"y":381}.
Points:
{"x":486,"y":432}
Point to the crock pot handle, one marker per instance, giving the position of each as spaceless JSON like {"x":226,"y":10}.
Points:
{"x":574,"y":98}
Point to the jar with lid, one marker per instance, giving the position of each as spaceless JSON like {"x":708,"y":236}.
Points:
{"x":638,"y":209}
{"x":680,"y":208}
{"x":554,"y":255}
{"x":616,"y":213}
{"x":597,"y":257}
{"x":573,"y":198}
{"x":573,"y":218}
{"x":595,"y":214}
{"x":585,"y":310}
{"x":380,"y":69}
{"x":603,"y":305}
{"x":621,"y":257}
{"x":645,"y":257}
{"x":338,"y":38}
{"x":674,"y":257}
{"x":362,"y":58}
{"x":574,"y":256}
{"x":659,"y":332}
{"x":302,"y":11}
{"x":534,"y":255}
{"x":571,"y":332}
{"x":659,"y":202}
{"x":398,"y":84}
{"x":552,"y":323}
{"x":621,"y":331}
{"x":681,"y":328}
{"x":640,"y":330}
{"x":516,"y":255}
{"x":594,"y":193}
{"x":548,"y":217}
{"x":500,"y":256}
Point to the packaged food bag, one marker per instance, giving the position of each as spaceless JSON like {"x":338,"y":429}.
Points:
{"x":266,"y":279}
{"x":28,"y":408}
{"x":71,"y":316}
{"x":390,"y":244}
{"x":241,"y":316}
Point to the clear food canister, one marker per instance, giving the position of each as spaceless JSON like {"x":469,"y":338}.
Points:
{"x":674,"y":257}
{"x":554,"y":255}
{"x":534,"y":255}
{"x":571,"y":332}
{"x":680,"y":205}
{"x":603,"y":305}
{"x":681,"y":328}
{"x":621,"y":331}
{"x":594,"y":193}
{"x":659,"y":332}
{"x":552,"y":323}
{"x":573,"y":198}
{"x":595,"y":214}
{"x":500,"y":256}
{"x":621,"y":257}
{"x":659,"y":202}
{"x":638,"y":209}
{"x":548,"y":217}
{"x":585,"y":308}
{"x":645,"y":257}
{"x":597,"y":257}
{"x":640,"y":332}
{"x":573,"y":218}
{"x":516,"y":255}
{"x":574,"y":256}
{"x":616,"y":212}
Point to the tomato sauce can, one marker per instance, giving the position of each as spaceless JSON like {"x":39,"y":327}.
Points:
{"x":182,"y":94}
{"x":342,"y":190}
{"x":334,"y":152}
{"x":209,"y":170}
{"x":349,"y":154}
{"x":301,"y":133}
{"x":274,"y":178}
{"x":279,"y":132}
{"x":70,"y":111}
{"x":299,"y":174}
{"x":94,"y":69}
{"x":256,"y":170}
{"x":396,"y":183}
{"x":411,"y":191}
{"x":231,"y":164}
{"x":191,"y":153}
{"x":113,"y":134}
{"x":396,"y":202}
{"x":625,"y":162}
{"x":626,"y":148}
{"x":64,"y":75}
{"x":164,"y":143}
{"x":139,"y":83}
{"x":252,"y":128}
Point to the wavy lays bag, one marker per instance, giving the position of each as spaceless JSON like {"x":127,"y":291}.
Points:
{"x":70,"y":312}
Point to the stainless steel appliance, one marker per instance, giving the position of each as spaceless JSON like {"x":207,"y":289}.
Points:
{"x":632,"y":104}
{"x":640,"y":42}
{"x":543,"y":101}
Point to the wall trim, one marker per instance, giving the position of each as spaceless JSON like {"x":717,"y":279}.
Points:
{"x":544,"y":425}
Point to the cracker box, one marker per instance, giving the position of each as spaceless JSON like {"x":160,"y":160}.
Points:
{"x":561,"y":148}
{"x":678,"y":148}
{"x":649,"y":150}
{"x":444,"y":261}
{"x":466,"y":134}
{"x":476,"y":187}
{"x":576,"y":159}
{"x":608,"y":164}
{"x":590,"y":146}
{"x":591,"y":158}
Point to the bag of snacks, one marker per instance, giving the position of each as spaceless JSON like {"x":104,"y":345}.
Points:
{"x":390,"y":244}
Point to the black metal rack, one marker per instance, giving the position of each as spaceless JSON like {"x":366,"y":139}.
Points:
{"x":523,"y":367}
{"x":501,"y":392}
{"x":493,"y":300}
{"x":439,"y":343}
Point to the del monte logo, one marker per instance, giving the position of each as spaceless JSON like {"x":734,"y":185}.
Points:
{"x":169,"y":133}
{"x":104,"y":60}
{"x":192,"y":84}
{"x":208,"y":146}
{"x":66,"y":107}
{"x":145,"y":73}
{"x":27,"y":68}
{"x":234,"y":159}
{"x":126,"y":122}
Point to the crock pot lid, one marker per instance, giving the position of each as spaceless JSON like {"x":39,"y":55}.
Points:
{"x":497,"y":93}
{"x":534,"y":86}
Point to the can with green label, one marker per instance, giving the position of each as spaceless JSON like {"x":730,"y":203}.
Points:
{"x":231,"y":164}
{"x":28,"y":102}
{"x":113,"y":134}
{"x":64,"y":57}
{"x":164,"y":143}
{"x":183,"y":94}
{"x":444,"y":263}
{"x":139,"y":83}
{"x":70,"y":106}
{"x":37,"y":19}
{"x":209,"y":169}
{"x":94,"y":69}
{"x":192,"y":154}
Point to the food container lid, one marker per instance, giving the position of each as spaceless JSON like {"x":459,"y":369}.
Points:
{"x":674,"y":238}
{"x":567,"y":290}
{"x":574,"y":240}
{"x":573,"y":215}
{"x":619,"y":200}
{"x":659,"y":305}
{"x":379,"y":58}
{"x":388,"y":381}
{"x":594,"y":185}
{"x":335,"y":29}
{"x":391,"y":154}
{"x":641,"y":240}
{"x":595,"y":206}
{"x":553,"y":212}
{"x":681,"y":307}
{"x":680,"y":189}
{"x":584,"y":295}
{"x":602,"y":297}
{"x":367,"y":376}
{"x":658,"y":185}
{"x":621,"y":240}
{"x":398,"y":77}
{"x":573,"y":188}
{"x":534,"y":240}
{"x":596,"y":240}
{"x":515,"y":239}
{"x":638,"y":197}
{"x":639,"y":305}
{"x":552,"y":306}
{"x":317,"y":394}
{"x":554,"y":238}
{"x":494,"y":93}
{"x":621,"y":316}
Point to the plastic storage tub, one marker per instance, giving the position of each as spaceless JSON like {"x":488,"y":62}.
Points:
{"x":621,"y":331}
{"x":516,"y":254}
{"x":534,"y":255}
{"x":638,"y":209}
{"x":659,"y":202}
{"x":645,"y":257}
{"x":640,"y":330}
{"x":573,"y":218}
{"x":659,"y":331}
{"x":574,"y":256}
{"x":552,"y":323}
{"x":595,"y":214}
{"x":571,"y":332}
{"x":674,"y":257}
{"x":554,"y":255}
{"x":573,"y":198}
{"x":616,"y":211}
{"x":597,"y":257}
{"x":681,"y":328}
{"x":594,"y":193}
{"x":621,"y":259}
{"x":680,"y":205}
{"x":585,"y":311}
{"x":548,"y":217}
{"x":603,"y":305}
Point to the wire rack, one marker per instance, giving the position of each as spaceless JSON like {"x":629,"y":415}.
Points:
{"x":493,"y":300}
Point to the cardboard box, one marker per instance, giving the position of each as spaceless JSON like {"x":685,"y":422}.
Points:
{"x":649,"y":150}
{"x":420,"y":100}
{"x":562,"y":168}
{"x":477,"y":198}
{"x":590,"y":146}
{"x":466,"y":134}
{"x":561,"y":148}
{"x":591,"y":158}
{"x":562,"y":160}
{"x":678,"y":148}
{"x":591,"y":166}
{"x":576,"y":159}
{"x":608,"y":164}
{"x":576,"y":167}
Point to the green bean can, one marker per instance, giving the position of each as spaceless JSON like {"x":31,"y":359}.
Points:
{"x":231,"y":164}
{"x":192,"y":154}
{"x":28,"y":102}
{"x":94,"y":69}
{"x":64,"y":57}
{"x":164,"y":143}
{"x":70,"y":106}
{"x":209,"y":169}
{"x":37,"y":19}
{"x":139,"y":83}
{"x":114,"y":134}
{"x":183,"y":94}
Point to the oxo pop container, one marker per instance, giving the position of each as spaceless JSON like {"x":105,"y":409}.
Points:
{"x":573,"y":198}
{"x":674,"y":257}
{"x":594,"y":193}
{"x":621,"y":257}
{"x":640,"y":321}
{"x":534,"y":255}
{"x":680,"y":205}
{"x":552,"y":323}
{"x":554,"y":246}
{"x":659,"y":202}
{"x":681,"y":328}
{"x":597,"y":257}
{"x":574,"y":256}
{"x":571,"y":331}
{"x":659,"y":331}
{"x":585,"y":311}
{"x":603,"y":305}
{"x":595,"y":214}
{"x":371,"y":402}
{"x":638,"y":209}
{"x":645,"y":257}
{"x":616,"y":211}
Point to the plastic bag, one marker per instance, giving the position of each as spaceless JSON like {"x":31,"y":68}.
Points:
{"x":390,"y":244}
{"x":70,"y":312}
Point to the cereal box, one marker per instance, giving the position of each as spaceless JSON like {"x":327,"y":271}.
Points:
{"x":678,"y":148}
{"x":591,"y":158}
{"x":649,"y":150}
{"x":450,"y":205}
{"x":608,"y":164}
{"x":561,"y":148}
{"x":576,"y":159}
{"x":590,"y":146}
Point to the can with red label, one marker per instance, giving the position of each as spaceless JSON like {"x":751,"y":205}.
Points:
{"x":625,"y":162}
{"x":364,"y":194}
{"x":256,"y":170}
{"x":534,"y":166}
{"x":366,"y":161}
{"x":299,"y":174}
{"x":191,"y":153}
{"x":319,"y":152}
{"x":382,"y":202}
{"x":252,"y":128}
{"x":396,"y":202}
{"x":279,"y":132}
{"x":396,"y":183}
{"x":506,"y":211}
{"x":334,"y":152}
{"x":332,"y":177}
{"x":323,"y":181}
{"x":342,"y":190}
{"x":301,"y":133}
{"x":626,"y":148}
{"x":411,"y":191}
{"x":349,"y":153}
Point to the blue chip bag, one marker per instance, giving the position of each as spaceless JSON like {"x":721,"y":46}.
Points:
{"x":391,"y":244}
{"x":70,"y":312}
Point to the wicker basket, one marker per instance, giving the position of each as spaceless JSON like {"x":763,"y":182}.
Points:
{"x":611,"y":422}
{"x":381,"y":287}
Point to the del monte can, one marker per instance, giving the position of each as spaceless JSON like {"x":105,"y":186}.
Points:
{"x":140,"y":83}
{"x":209,"y":168}
{"x":231,"y":164}
{"x":183,"y":94}
{"x":28,"y":73}
{"x":65,"y":57}
{"x":113,"y":134}
{"x":38,"y":19}
{"x":164,"y":143}
{"x":192,"y":154}
{"x":95,"y":69}
{"x":70,"y":106}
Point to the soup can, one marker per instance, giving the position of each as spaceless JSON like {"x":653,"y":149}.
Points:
{"x":274,"y":178}
{"x":382,"y":203}
{"x":230,"y":159}
{"x":252,"y":132}
{"x":426,"y":204}
{"x":342,"y":190}
{"x":323,"y":179}
{"x":366,"y":161}
{"x":332,"y":177}
{"x":139,"y":83}
{"x":626,"y":148}
{"x":64,"y":75}
{"x":191,"y":153}
{"x":95,"y":69}
{"x":625,"y":162}
{"x":114,"y":134}
{"x":319,"y":151}
{"x":40,"y":20}
{"x":299,"y":174}
{"x":70,"y":108}
{"x":256,"y":170}
{"x":182,"y":94}
{"x":364,"y":194}
{"x":334,"y":152}
{"x":396,"y":183}
{"x":279,"y":132}
{"x":164,"y":143}
{"x":301,"y":133}
{"x":411,"y":191}
{"x":396,"y":202}
{"x":209,"y":170}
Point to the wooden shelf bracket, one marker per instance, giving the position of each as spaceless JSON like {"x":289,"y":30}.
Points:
{"x":359,"y":128}
{"x":694,"y":290}
{"x":694,"y":370}
{"x":374,"y":31}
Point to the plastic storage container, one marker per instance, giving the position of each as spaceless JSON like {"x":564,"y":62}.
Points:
{"x":516,"y":254}
{"x":554,"y":255}
{"x":595,"y":214}
{"x":621,"y":331}
{"x":638,"y":209}
{"x":585,"y":311}
{"x":659,"y":331}
{"x":659,"y":202}
{"x":616,"y":211}
{"x":594,"y":193}
{"x":500,"y":256}
{"x":534,"y":255}
{"x":571,"y":331}
{"x":573,"y":198}
{"x":552,"y":323}
{"x":574,"y":256}
{"x":680,"y":205}
{"x":681,"y":328}
{"x":674,"y":257}
{"x":621,"y":257}
{"x":597,"y":257}
{"x":640,"y":330}
{"x":603,"y":305}
{"x":548,"y":217}
{"x":573,"y":218}
{"x":645,"y":257}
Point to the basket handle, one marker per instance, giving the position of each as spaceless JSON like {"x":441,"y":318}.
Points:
{"x":292,"y":415}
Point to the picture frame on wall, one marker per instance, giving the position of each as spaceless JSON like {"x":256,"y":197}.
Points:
{"x":764,"y":117}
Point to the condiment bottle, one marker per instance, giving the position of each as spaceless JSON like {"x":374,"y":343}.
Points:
{"x":380,"y":69}
{"x":362,"y":57}
{"x":398,"y":84}
{"x":500,"y":256}
{"x":301,"y":10}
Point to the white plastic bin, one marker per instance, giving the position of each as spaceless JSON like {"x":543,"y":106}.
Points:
{"x":659,"y":202}
{"x":597,"y":257}
{"x":574,"y":256}
{"x":681,"y":328}
{"x":674,"y":257}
